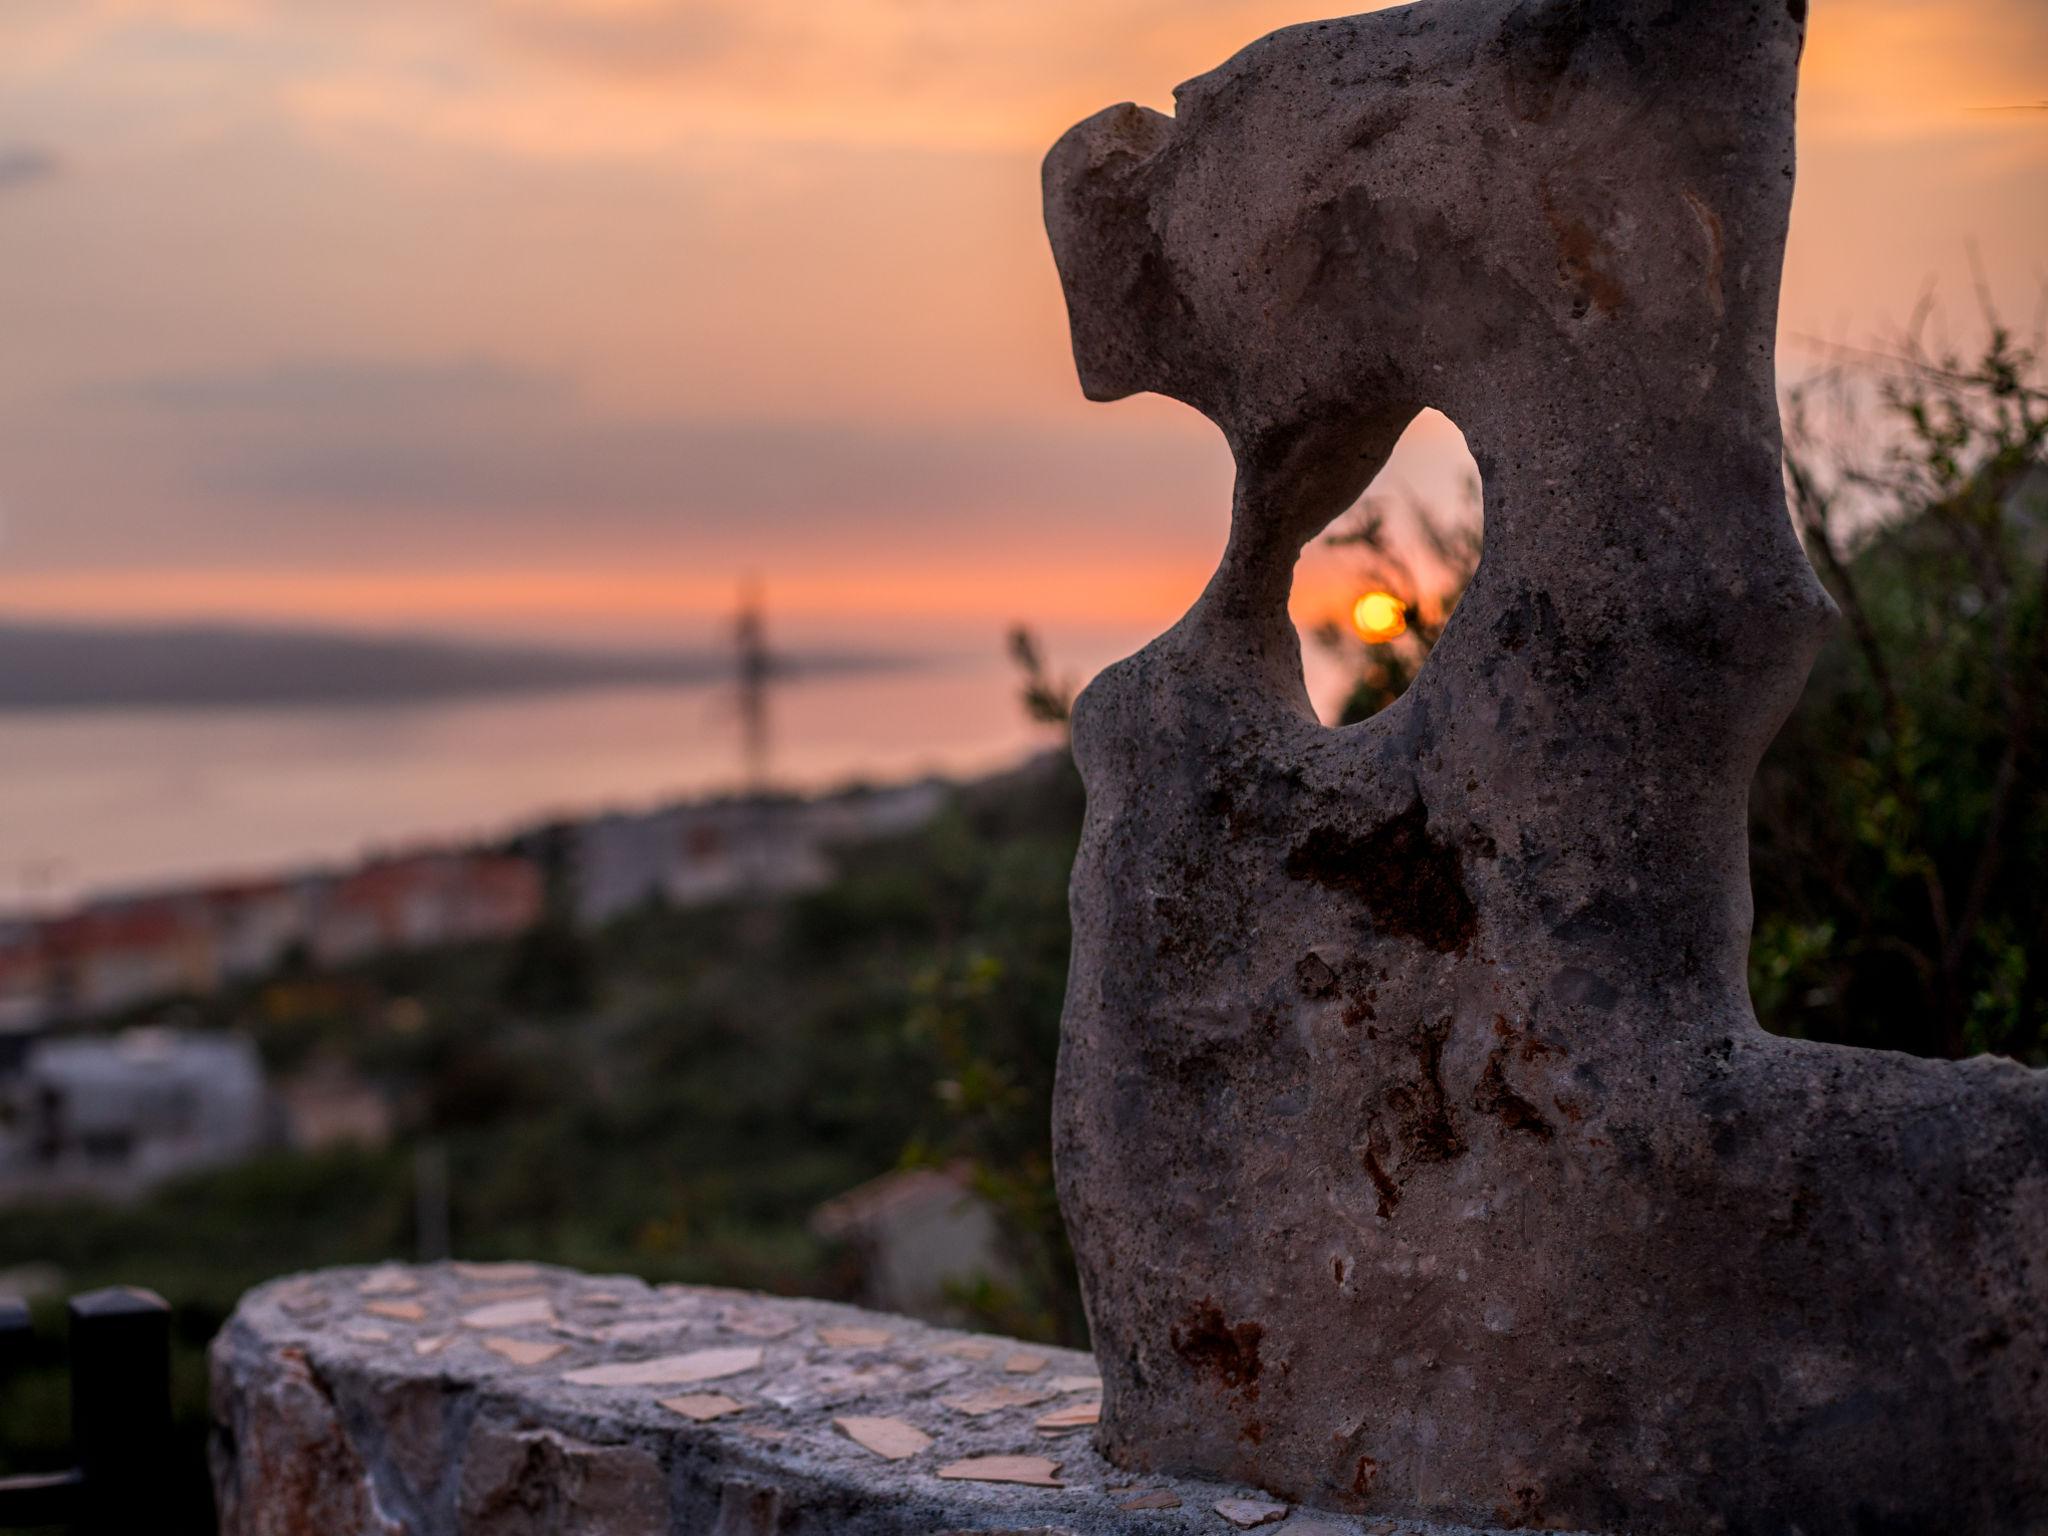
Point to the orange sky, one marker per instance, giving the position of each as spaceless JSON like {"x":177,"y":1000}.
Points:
{"x":559,"y":315}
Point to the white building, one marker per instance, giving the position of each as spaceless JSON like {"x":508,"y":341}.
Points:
{"x":257,"y":923}
{"x":113,"y":1115}
{"x":919,"y":1235}
{"x":693,"y":855}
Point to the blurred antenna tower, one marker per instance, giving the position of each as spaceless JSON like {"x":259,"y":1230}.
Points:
{"x":750,"y":631}
{"x":756,"y":671}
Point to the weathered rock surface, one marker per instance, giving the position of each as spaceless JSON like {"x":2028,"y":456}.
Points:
{"x":1418,"y":1141}
{"x":468,"y":1399}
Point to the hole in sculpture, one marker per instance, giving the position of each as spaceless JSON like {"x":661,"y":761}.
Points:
{"x":1373,"y":592}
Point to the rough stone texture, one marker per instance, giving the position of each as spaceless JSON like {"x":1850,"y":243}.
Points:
{"x":333,"y":1419}
{"x":1418,"y":1141}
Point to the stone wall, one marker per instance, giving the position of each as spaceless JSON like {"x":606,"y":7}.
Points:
{"x":514,"y":1400}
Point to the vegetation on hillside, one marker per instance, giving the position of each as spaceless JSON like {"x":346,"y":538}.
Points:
{"x":671,"y":1097}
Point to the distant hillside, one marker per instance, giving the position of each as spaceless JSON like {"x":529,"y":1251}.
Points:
{"x":66,"y":666}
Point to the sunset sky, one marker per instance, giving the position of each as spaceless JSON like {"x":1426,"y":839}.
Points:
{"x":557,"y":316}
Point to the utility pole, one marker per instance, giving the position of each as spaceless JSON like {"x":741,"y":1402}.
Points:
{"x":750,"y":633}
{"x":750,"y":630}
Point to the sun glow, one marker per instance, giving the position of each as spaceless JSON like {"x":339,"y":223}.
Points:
{"x":1379,"y":617}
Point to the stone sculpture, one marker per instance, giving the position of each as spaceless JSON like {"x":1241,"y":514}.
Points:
{"x":1419,"y":1145}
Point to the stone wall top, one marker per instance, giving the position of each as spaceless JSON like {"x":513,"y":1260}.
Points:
{"x":514,"y":1400}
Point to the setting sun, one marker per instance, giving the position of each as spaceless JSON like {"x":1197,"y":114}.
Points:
{"x":1379,"y":617}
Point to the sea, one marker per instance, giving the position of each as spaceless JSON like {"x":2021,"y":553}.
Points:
{"x":99,"y":801}
{"x":103,"y":801}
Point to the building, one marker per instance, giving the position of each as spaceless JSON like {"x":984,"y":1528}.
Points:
{"x":423,"y":900}
{"x":919,"y":1235}
{"x":257,"y":923}
{"x":119,"y":954}
{"x":24,"y":983}
{"x":114,"y":1115}
{"x":127,"y":952}
{"x":716,"y":850}
{"x":328,"y":1103}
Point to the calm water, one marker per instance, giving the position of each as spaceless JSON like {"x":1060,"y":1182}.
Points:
{"x":97,"y":800}
{"x":92,"y":801}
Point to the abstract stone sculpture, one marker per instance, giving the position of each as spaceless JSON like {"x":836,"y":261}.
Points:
{"x":1418,"y":1142}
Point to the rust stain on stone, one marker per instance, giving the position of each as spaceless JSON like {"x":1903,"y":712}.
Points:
{"x":1529,"y":1047}
{"x":1314,"y":975}
{"x":1522,"y":1509}
{"x":1412,"y":883}
{"x":1382,"y":1181}
{"x":1214,"y":1345}
{"x":1428,"y":1133}
{"x":1577,"y":251}
{"x":1492,"y":1095}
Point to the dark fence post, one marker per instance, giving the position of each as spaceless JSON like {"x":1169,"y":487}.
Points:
{"x":120,"y":1407}
{"x":15,"y":1329}
{"x":36,"y":1498}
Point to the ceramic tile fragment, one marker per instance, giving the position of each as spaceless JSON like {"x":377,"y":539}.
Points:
{"x":968,"y":1349}
{"x":388,"y":1282}
{"x":703,"y":1406}
{"x":524,"y":1351}
{"x":433,"y":1344}
{"x":637,"y":1329}
{"x":1024,"y":1364}
{"x":1074,"y":1416}
{"x":531,"y":1311}
{"x":398,"y":1311}
{"x":667,"y":1370}
{"x":505,"y":1273}
{"x":1034,"y":1471}
{"x":892,"y":1439}
{"x":758,"y":1325}
{"x":993,"y":1399}
{"x":1075,"y":1384}
{"x":1156,"y":1498}
{"x":853,"y":1338}
{"x":363,"y":1334}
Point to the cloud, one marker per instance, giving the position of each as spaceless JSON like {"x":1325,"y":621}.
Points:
{"x":569,"y":79}
{"x":23,"y":165}
{"x":635,"y":42}
{"x":400,"y":457}
{"x":318,"y":386}
{"x":709,"y":476}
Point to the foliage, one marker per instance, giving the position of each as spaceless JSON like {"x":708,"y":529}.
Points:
{"x":990,"y":1009}
{"x":1048,"y":700}
{"x":1899,"y":821}
{"x":551,"y":969}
